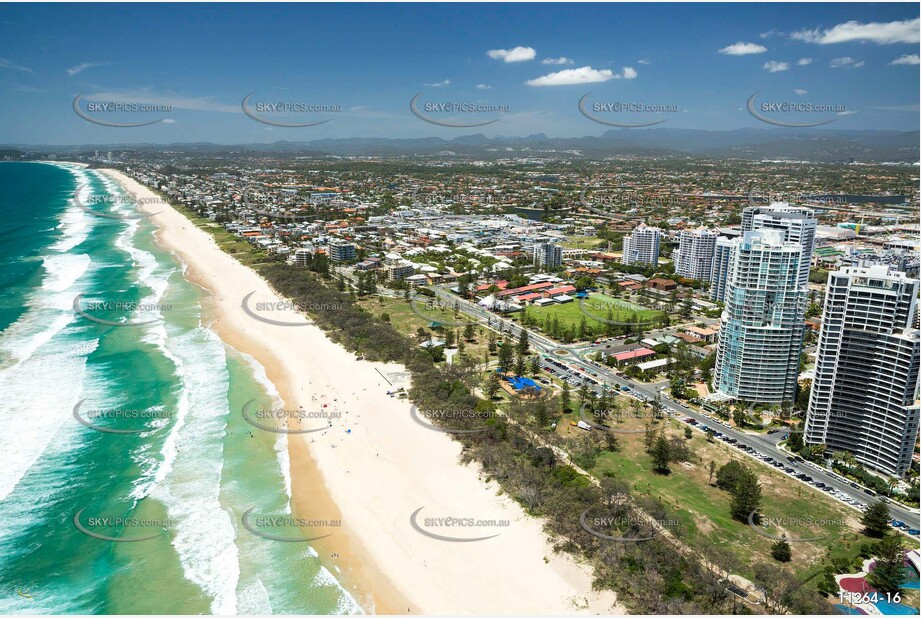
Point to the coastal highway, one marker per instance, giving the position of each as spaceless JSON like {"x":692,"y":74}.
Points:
{"x":574,"y":358}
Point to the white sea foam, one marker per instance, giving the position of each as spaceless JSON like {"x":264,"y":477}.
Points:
{"x":147,"y":275}
{"x":253,"y":600}
{"x":32,"y":416}
{"x":186,"y":474}
{"x":188,"y":480}
{"x":50,"y":306}
{"x":324,"y":578}
{"x":75,"y":224}
{"x":281,"y":443}
{"x":347,"y":603}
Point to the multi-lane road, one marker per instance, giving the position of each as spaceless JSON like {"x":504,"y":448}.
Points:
{"x":574,"y":361}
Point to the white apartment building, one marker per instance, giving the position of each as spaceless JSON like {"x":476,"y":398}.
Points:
{"x":719,"y":269}
{"x":548,"y":255}
{"x":642,"y":246}
{"x":761,"y":329}
{"x":798,"y":224}
{"x":694,"y":257}
{"x":864,"y":396}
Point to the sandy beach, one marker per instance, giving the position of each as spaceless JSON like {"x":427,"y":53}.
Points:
{"x":374,"y":466}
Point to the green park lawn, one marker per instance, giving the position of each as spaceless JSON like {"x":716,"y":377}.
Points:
{"x":703,"y":510}
{"x":571,"y":313}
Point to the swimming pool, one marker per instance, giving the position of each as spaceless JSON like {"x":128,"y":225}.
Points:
{"x":853,"y":611}
{"x":895,"y":609}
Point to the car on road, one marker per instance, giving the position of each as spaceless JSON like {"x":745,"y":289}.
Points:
{"x":898,"y":524}
{"x":914,"y":531}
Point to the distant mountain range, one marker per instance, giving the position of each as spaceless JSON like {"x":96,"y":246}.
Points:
{"x":820,"y":145}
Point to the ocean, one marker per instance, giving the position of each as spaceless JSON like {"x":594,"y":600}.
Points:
{"x":130,"y":431}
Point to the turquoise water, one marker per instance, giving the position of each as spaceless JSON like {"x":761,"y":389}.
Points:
{"x":895,"y":609}
{"x":190,"y":465}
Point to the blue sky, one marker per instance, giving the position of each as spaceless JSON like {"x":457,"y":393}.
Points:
{"x":705,"y":60}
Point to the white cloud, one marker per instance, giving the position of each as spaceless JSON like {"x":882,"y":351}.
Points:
{"x":169,"y":121}
{"x":568,"y":77}
{"x":444,"y":82}
{"x":907,"y":59}
{"x":9,"y":64}
{"x":82,"y":67}
{"x":644,"y":61}
{"x":845,"y":62}
{"x":629,"y":73}
{"x":804,"y":61}
{"x":561,"y":60}
{"x":483,"y":86}
{"x":516,"y":54}
{"x":743,"y":49}
{"x":769,"y":33}
{"x":775,"y":67}
{"x":847,"y":113}
{"x":880,"y":33}
{"x":800,"y":91}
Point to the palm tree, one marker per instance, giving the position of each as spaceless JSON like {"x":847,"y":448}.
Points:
{"x":848,"y":459}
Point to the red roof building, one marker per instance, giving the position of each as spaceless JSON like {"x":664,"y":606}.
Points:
{"x":566,"y":289}
{"x":633,"y":356}
{"x":534,"y":287}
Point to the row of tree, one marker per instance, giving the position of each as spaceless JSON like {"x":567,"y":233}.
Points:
{"x":649,"y":576}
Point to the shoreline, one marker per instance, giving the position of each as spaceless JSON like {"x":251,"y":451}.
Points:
{"x":373,"y":467}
